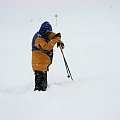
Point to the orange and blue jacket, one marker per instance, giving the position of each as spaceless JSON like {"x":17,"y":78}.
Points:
{"x":42,"y":51}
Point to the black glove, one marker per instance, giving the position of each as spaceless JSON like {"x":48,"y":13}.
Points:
{"x":58,"y":35}
{"x":61,"y":44}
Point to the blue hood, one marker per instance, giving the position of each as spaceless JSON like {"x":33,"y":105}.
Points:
{"x":46,"y":26}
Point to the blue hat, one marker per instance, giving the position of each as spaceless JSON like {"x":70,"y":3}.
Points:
{"x":46,"y":26}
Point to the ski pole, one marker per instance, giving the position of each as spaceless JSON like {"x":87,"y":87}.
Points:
{"x":66,"y":65}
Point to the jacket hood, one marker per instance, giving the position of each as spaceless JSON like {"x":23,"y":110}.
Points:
{"x":46,"y":26}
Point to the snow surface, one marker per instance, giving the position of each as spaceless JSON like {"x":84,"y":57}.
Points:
{"x":91,"y":33}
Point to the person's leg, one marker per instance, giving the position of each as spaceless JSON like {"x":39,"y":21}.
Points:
{"x":40,"y":80}
{"x":44,"y":81}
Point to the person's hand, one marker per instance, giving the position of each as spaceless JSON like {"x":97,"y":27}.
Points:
{"x":61,"y":44}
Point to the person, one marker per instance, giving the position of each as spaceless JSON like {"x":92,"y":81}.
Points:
{"x":43,"y":43}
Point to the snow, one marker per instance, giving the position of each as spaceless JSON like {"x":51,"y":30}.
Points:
{"x":91,"y":34}
{"x":79,"y":99}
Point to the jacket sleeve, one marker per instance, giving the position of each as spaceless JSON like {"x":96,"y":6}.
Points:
{"x":46,"y":46}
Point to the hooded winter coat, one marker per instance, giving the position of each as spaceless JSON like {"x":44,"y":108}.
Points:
{"x":42,"y":48}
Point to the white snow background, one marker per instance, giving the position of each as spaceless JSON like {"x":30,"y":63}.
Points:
{"x":91,"y":34}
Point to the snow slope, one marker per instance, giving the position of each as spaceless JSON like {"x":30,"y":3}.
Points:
{"x":91,"y":33}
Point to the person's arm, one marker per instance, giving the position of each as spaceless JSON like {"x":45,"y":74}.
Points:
{"x":47,"y":46}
